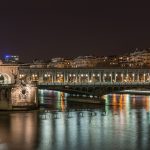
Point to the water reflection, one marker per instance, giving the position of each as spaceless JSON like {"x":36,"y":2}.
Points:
{"x":18,"y":130}
{"x":123,"y":123}
{"x":53,"y":99}
{"x":126,"y":101}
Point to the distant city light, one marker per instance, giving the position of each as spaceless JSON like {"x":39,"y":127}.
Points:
{"x":11,"y":58}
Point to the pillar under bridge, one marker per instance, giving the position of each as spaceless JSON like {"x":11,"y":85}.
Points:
{"x":18,"y":97}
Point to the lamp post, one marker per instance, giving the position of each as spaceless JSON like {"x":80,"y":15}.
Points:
{"x":127,"y":77}
{"x":104,"y":77}
{"x":122,"y":77}
{"x":133,"y":75}
{"x":144,"y":77}
{"x":110,"y":77}
{"x":116,"y":76}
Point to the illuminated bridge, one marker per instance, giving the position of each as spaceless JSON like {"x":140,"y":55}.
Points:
{"x":19,"y":84}
{"x":86,"y":81}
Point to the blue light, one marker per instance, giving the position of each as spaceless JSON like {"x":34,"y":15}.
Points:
{"x":8,"y":56}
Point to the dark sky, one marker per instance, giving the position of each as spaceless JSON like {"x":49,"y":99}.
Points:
{"x":52,"y":28}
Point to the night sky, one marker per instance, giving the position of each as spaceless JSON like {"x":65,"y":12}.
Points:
{"x":45,"y":29}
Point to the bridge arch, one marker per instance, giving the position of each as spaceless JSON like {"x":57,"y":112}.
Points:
{"x":5,"y":78}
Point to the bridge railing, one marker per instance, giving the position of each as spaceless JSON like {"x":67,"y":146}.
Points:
{"x":5,"y":85}
{"x":96,"y":83}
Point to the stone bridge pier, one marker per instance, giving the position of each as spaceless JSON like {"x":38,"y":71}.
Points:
{"x":5,"y":98}
{"x":18,"y":97}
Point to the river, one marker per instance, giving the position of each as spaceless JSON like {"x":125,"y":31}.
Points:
{"x":122,"y":124}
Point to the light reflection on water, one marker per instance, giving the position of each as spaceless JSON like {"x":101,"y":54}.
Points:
{"x":53,"y":99}
{"x":127,"y":101}
{"x":122,"y":124}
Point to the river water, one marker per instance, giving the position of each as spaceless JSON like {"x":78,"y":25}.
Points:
{"x":122,"y":124}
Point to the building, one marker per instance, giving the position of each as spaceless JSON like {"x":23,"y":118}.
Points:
{"x":84,"y":62}
{"x":123,"y":61}
{"x":60,"y":63}
{"x":140,"y":58}
{"x":11,"y":59}
{"x":38,"y":64}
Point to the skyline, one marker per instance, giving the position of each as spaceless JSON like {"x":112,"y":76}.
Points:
{"x":65,"y":29}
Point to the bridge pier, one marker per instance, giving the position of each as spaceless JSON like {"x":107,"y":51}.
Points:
{"x":5,"y":98}
{"x":18,"y":97}
{"x":24,"y":97}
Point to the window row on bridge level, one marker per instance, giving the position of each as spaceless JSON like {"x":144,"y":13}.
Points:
{"x":87,"y":78}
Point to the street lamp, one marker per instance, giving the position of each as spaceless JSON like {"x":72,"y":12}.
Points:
{"x":110,"y":77}
{"x":133,"y":76}
{"x":144,"y":77}
{"x":116,"y":76}
{"x":122,"y":77}
{"x":104,"y":77}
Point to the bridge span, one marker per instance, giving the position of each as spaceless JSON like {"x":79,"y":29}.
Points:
{"x":25,"y":81}
{"x":95,"y":81}
{"x":95,"y":89}
{"x":77,"y":75}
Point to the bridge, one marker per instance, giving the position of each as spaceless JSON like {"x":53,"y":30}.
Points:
{"x":86,"y":81}
{"x":20,"y":82}
{"x":94,"y":89}
{"x":95,"y":81}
